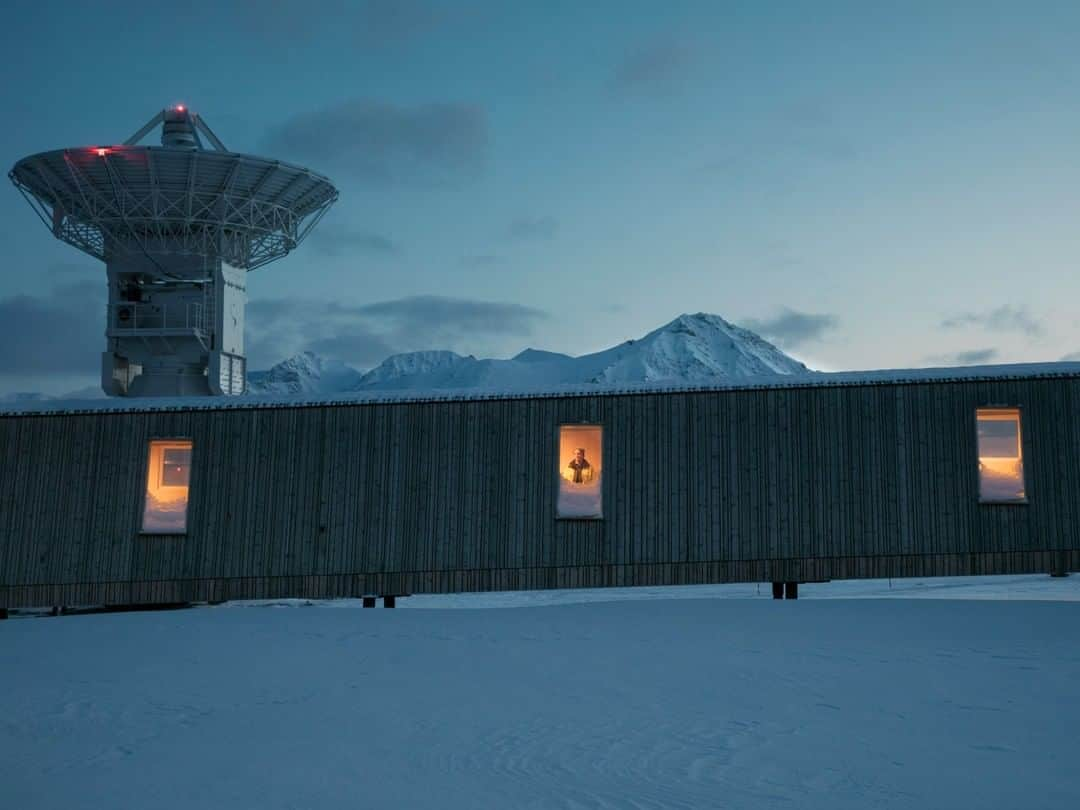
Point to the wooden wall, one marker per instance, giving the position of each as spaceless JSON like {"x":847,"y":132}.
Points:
{"x":742,"y":485}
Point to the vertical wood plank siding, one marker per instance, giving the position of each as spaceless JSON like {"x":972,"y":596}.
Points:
{"x":739,"y":485}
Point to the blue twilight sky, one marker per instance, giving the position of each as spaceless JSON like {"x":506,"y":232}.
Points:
{"x":867,"y":184}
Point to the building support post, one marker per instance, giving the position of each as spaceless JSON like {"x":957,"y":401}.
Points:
{"x":3,"y":613}
{"x":369,"y":601}
{"x":778,"y":590}
{"x":791,"y":590}
{"x":389,"y":601}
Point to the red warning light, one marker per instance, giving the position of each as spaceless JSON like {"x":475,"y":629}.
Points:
{"x":179,"y":107}
{"x":102,"y":152}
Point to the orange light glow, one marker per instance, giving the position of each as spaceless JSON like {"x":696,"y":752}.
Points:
{"x":573,"y":438}
{"x":1001,"y":462}
{"x":167,"y":481}
{"x":179,"y":107}
{"x":102,"y":152}
{"x":580,"y":464}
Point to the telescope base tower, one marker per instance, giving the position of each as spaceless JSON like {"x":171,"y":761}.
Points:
{"x":174,"y":328}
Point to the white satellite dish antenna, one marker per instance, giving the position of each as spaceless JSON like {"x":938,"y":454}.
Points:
{"x":178,"y":227}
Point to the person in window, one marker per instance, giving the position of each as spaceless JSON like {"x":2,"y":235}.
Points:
{"x":582,"y":468}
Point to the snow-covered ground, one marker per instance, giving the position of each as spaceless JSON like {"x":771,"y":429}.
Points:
{"x":858,"y":695}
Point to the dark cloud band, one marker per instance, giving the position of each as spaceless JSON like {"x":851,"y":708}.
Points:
{"x":380,"y":143}
{"x":533,"y":228}
{"x":792,"y":328}
{"x":332,"y":239}
{"x":365,"y":334}
{"x":1003,"y":319}
{"x":61,"y":332}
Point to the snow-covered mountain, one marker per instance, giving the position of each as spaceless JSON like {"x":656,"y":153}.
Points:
{"x":440,"y":368}
{"x":22,"y":397}
{"x":306,"y":373}
{"x":692,"y":348}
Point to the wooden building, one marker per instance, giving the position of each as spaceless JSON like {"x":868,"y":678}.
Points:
{"x":912,"y":474}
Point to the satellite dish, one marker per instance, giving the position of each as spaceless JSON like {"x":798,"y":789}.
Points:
{"x":188,"y":217}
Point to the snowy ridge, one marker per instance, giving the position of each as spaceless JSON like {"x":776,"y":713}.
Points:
{"x":306,"y":373}
{"x":692,"y":353}
{"x":695,"y":348}
{"x":90,"y":392}
{"x":23,"y":396}
{"x":431,"y":368}
{"x":811,"y":379}
{"x":691,"y":349}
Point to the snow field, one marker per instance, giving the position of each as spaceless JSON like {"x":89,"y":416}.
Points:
{"x":655,"y":702}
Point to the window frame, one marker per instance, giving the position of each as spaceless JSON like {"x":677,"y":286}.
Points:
{"x":148,"y":447}
{"x":1021,"y":446}
{"x":557,"y":468}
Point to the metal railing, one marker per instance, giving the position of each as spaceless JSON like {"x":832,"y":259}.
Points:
{"x":143,"y":317}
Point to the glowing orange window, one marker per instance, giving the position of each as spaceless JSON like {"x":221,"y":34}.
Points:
{"x":1001,"y":456}
{"x":168,"y":475}
{"x":580,"y":466}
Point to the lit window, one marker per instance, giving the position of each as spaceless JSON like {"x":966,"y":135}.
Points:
{"x":167,"y":475}
{"x":1001,"y":457}
{"x":580,"y":462}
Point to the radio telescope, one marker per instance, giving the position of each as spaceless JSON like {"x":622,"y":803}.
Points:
{"x":178,"y":227}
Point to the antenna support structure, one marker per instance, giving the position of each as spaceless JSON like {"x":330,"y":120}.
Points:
{"x":178,"y":226}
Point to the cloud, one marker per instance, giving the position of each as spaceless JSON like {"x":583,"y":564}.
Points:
{"x":1074,"y":357}
{"x":283,"y":21}
{"x":332,"y":239}
{"x":377,"y":23}
{"x":359,"y":347}
{"x":363,"y":335}
{"x":480,"y":260}
{"x":656,"y":66}
{"x":792,"y":328}
{"x":821,"y":145}
{"x":454,"y":318}
{"x":783,"y":148}
{"x":972,"y":357}
{"x":1003,"y":319}
{"x":976,"y":356}
{"x":382,"y":21}
{"x":278,"y":328}
{"x":813,"y":128}
{"x":385,"y":144}
{"x":533,"y":228}
{"x":59,"y":332}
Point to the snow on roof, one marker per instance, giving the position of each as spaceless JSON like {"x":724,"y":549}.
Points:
{"x":813,"y":379}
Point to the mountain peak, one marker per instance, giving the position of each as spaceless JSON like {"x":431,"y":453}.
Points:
{"x":692,"y":348}
{"x":539,"y":356}
{"x":303,"y":373}
{"x":698,"y":320}
{"x":695,"y":348}
{"x":435,"y":364}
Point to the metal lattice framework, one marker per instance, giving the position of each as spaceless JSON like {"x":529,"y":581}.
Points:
{"x":246,"y":210}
